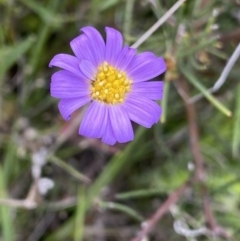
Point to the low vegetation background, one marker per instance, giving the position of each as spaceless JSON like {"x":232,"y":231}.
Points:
{"x":179,"y":180}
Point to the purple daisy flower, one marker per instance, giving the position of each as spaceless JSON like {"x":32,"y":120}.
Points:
{"x":113,"y":79}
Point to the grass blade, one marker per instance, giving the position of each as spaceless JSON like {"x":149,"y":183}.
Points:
{"x":79,"y":220}
{"x":196,"y":83}
{"x":5,"y":218}
{"x":139,"y":194}
{"x":57,"y":161}
{"x":236,"y":128}
{"x":165,"y":101}
{"x":122,"y":208}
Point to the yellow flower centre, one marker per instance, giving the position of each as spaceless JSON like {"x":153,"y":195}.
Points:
{"x":110,"y":85}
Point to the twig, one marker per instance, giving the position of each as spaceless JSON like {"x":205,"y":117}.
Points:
{"x":217,"y":230}
{"x":30,"y":202}
{"x":223,"y":75}
{"x":193,"y":131}
{"x":227,"y":69}
{"x":18,"y":203}
{"x":151,"y":222}
{"x":163,"y":19}
{"x":199,"y":162}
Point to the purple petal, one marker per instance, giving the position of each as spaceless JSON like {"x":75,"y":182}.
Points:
{"x":152,"y":89}
{"x":88,"y":69}
{"x":142,"y":110}
{"x":125,"y":57}
{"x":138,"y":59}
{"x":121,"y":124}
{"x":68,"y":106}
{"x":81,"y":47}
{"x":145,"y":67}
{"x":108,"y":136}
{"x":65,"y":84}
{"x":114,"y":43}
{"x":67,"y":62}
{"x":94,"y":122}
{"x":147,"y":70}
{"x":97,"y":44}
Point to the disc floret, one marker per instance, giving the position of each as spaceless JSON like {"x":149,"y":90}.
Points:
{"x":110,"y":85}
